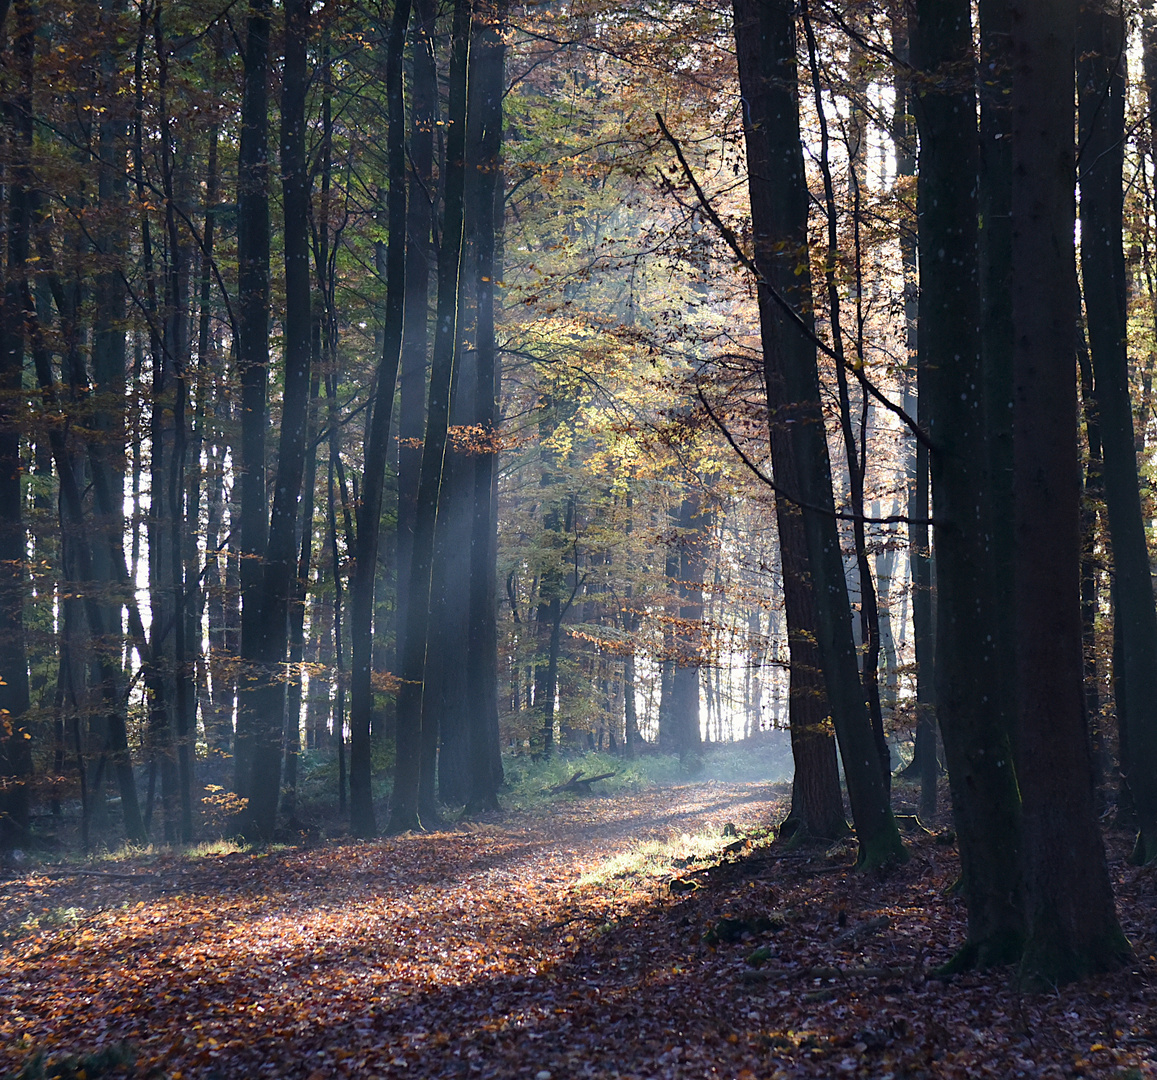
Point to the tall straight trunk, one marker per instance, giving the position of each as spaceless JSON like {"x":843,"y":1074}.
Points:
{"x":293,"y":695}
{"x":694,"y":527}
{"x":668,"y":732}
{"x":1101,"y":84}
{"x":1092,"y":497}
{"x":109,"y":295}
{"x":414,"y":723}
{"x":994,"y":251}
{"x":487,"y":86}
{"x":362,"y":821}
{"x":15,"y":739}
{"x":415,"y":330}
{"x":765,"y":42}
{"x":855,"y":456}
{"x":253,"y":365}
{"x":977,"y":744}
{"x":817,"y":806}
{"x":925,"y":761}
{"x":279,"y":565}
{"x":1071,"y":921}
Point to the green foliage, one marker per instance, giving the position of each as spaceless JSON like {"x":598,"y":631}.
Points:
{"x":529,"y":780}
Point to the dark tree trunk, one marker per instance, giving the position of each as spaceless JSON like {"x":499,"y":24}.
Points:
{"x":1101,"y":84}
{"x":266,"y":697}
{"x":414,"y":724}
{"x":694,"y":527}
{"x":487,"y":87}
{"x":765,"y":42}
{"x":925,"y":761}
{"x":362,"y":821}
{"x":1071,"y":922}
{"x":293,"y":695}
{"x":415,"y":331}
{"x":856,"y":456}
{"x":253,"y":365}
{"x":994,"y":250}
{"x":15,"y":748}
{"x":976,"y":740}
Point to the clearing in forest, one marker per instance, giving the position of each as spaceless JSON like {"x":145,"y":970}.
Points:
{"x":654,"y":934}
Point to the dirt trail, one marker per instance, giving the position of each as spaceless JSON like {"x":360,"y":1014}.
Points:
{"x":506,"y":949}
{"x":415,"y":955}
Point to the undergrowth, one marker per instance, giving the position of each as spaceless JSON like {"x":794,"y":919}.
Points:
{"x":529,"y":781}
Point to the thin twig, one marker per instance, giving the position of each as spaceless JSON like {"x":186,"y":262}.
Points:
{"x":794,"y":316}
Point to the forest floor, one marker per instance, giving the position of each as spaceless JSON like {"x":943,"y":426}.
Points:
{"x":546,"y":945}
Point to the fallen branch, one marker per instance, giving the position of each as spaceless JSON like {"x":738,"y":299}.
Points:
{"x":579,"y":783}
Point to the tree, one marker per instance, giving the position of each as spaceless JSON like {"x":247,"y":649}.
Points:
{"x":1101,"y":95}
{"x":977,"y":742}
{"x":417,"y":721}
{"x":487,"y":85}
{"x":362,"y":821}
{"x":765,"y":42}
{"x":1071,"y":923}
{"x":15,"y":753}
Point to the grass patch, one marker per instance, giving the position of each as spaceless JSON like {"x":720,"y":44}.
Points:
{"x":529,"y":782}
{"x":658,"y":860}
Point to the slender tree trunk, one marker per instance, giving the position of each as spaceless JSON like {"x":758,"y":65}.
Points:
{"x":1071,"y":921}
{"x":977,"y":745}
{"x":414,"y":725}
{"x":856,"y":457}
{"x":280,"y":564}
{"x":415,"y":330}
{"x":487,"y":87}
{"x":15,"y":738}
{"x":1101,"y":83}
{"x":694,"y":525}
{"x":253,"y":364}
{"x":765,"y":41}
{"x":925,"y":761}
{"x":362,"y":822}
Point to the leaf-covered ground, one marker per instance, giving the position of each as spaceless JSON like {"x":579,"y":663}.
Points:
{"x":546,"y":943}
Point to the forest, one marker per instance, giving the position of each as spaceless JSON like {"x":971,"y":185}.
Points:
{"x":470,"y":441}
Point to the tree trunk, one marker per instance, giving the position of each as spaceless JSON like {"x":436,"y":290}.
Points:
{"x":1071,"y":922}
{"x":253,"y":365}
{"x":362,"y":821}
{"x":15,"y":739}
{"x":279,"y":564}
{"x":412,"y":716}
{"x":1101,"y":85}
{"x":487,"y":87}
{"x":765,"y":42}
{"x":977,"y":746}
{"x":415,"y":330}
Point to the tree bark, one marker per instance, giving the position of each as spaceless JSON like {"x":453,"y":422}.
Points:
{"x":362,"y":822}
{"x":412,"y":716}
{"x":1071,"y":922}
{"x":253,"y":365}
{"x":279,"y":564}
{"x":487,"y":87}
{"x":977,"y":745}
{"x":765,"y":42}
{"x":1101,"y":86}
{"x":15,"y":738}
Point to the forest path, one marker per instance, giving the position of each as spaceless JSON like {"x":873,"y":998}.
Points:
{"x":373,"y":958}
{"x":543,"y":945}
